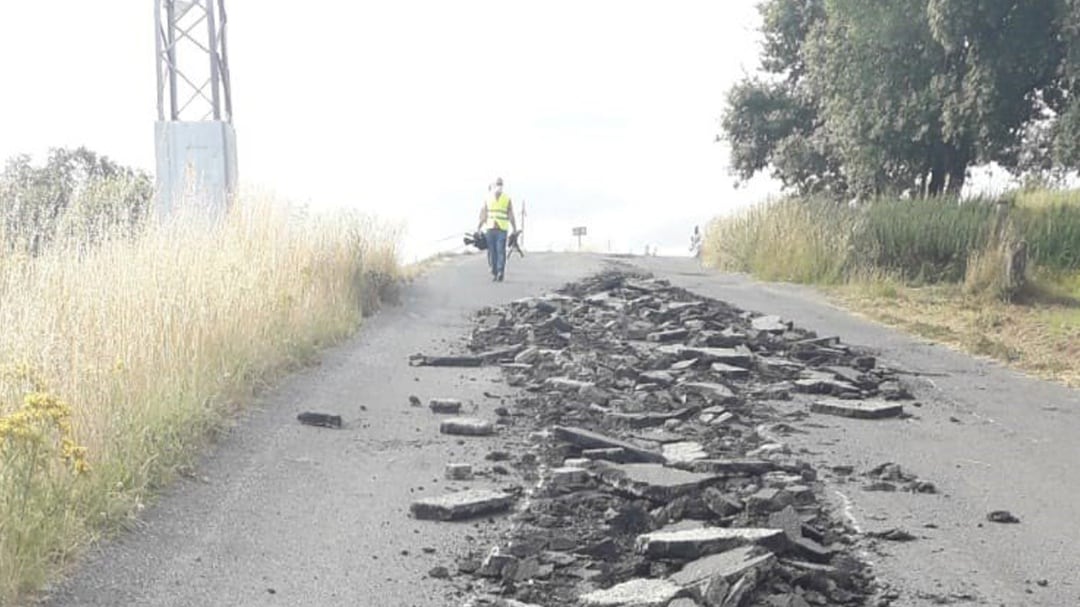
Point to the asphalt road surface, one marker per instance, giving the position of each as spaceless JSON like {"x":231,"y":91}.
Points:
{"x":285,"y":514}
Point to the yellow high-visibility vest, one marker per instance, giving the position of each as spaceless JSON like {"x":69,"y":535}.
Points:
{"x":498,"y":210}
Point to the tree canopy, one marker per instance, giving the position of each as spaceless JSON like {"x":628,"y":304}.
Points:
{"x":866,"y":98}
{"x":76,"y":194}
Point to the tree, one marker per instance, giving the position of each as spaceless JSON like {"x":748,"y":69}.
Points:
{"x":894,"y":97}
{"x":772,"y":121}
{"x":1064,"y":106}
{"x":77,"y":195}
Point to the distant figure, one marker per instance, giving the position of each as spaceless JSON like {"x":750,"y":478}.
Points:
{"x":497,"y":216}
{"x":695,"y":243}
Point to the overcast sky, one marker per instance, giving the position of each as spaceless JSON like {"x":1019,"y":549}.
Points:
{"x":595,"y":113}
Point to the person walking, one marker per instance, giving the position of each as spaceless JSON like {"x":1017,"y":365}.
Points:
{"x":695,"y":243}
{"x":496,"y":218}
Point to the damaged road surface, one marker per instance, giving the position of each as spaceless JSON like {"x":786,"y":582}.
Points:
{"x":654,"y":475}
{"x":591,"y":432}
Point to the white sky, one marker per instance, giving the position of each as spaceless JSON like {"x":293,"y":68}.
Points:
{"x":595,"y":112}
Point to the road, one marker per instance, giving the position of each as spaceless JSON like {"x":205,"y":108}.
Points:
{"x":284,"y":514}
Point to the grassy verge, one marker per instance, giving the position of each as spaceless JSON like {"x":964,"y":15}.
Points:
{"x":1040,"y":338}
{"x":935,"y":268}
{"x":118,"y":362}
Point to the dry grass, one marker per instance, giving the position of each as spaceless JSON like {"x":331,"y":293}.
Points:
{"x":1039,"y":337}
{"x":787,"y":240}
{"x":143,"y":347}
{"x":884,"y":253}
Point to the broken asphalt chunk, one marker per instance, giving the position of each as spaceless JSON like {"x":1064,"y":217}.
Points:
{"x":642,"y":592}
{"x":770,"y":324}
{"x":445,"y":405}
{"x":422,"y":360}
{"x":684,"y":452}
{"x":467,"y":426}
{"x":713,"y":392}
{"x":730,"y":371}
{"x":709,"y":578}
{"x":461,"y":505}
{"x":612,"y":454}
{"x":649,"y":419}
{"x":587,"y":439}
{"x":459,"y":472}
{"x":654,"y":481}
{"x":694,"y":543}
{"x":319,"y":419}
{"x":738,"y":357}
{"x":824,"y":386}
{"x":735,"y":467}
{"x":567,"y":385}
{"x":668,"y":336}
{"x":859,"y":409}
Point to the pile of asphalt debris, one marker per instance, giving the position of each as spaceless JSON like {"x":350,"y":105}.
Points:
{"x":657,"y":472}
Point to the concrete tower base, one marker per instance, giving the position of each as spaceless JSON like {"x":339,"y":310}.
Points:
{"x":196,"y":167}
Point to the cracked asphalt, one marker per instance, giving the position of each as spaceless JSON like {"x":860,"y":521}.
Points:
{"x":284,"y":514}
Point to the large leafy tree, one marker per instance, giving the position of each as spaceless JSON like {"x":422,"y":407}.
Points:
{"x":899,"y":96}
{"x":772,"y":121}
{"x":1062,"y":142}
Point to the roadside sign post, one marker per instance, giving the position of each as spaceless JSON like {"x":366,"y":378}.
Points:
{"x":579,"y":232}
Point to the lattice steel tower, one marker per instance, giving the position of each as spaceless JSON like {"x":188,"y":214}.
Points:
{"x":195,"y":138}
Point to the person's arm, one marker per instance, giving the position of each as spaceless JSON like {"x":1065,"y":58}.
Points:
{"x":510,"y":212}
{"x":483,"y":218}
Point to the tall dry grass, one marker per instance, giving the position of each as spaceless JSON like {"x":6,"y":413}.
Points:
{"x":922,"y":241}
{"x":787,"y":240}
{"x":118,"y":361}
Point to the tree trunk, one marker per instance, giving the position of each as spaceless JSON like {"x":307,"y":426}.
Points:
{"x":957,"y":176}
{"x":937,"y":181}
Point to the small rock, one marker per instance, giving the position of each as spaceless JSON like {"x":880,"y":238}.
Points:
{"x":439,"y":573}
{"x":1002,"y":516}
{"x":415,"y":401}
